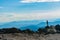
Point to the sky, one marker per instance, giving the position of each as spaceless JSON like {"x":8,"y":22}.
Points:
{"x":17,"y":10}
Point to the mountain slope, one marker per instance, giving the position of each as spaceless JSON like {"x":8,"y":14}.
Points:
{"x":33,"y":25}
{"x":18,"y":24}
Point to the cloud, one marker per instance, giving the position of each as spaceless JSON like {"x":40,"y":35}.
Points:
{"x":8,"y":17}
{"x":30,"y":1}
{"x":1,"y":7}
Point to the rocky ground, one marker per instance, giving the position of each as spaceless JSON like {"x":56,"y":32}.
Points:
{"x":22,"y":36}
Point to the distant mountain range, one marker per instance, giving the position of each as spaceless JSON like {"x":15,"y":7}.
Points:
{"x":19,"y":24}
{"x":33,"y":25}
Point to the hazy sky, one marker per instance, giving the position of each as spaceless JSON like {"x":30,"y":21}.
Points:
{"x":15,"y":10}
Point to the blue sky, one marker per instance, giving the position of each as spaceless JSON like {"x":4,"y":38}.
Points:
{"x":15,"y":10}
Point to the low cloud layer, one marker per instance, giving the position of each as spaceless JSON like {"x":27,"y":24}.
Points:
{"x":8,"y":17}
{"x":30,"y":1}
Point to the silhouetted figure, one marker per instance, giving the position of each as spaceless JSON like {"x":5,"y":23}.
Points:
{"x":47,"y":22}
{"x":47,"y":26}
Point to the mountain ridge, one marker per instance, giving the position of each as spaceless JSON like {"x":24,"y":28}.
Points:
{"x":30,"y":25}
